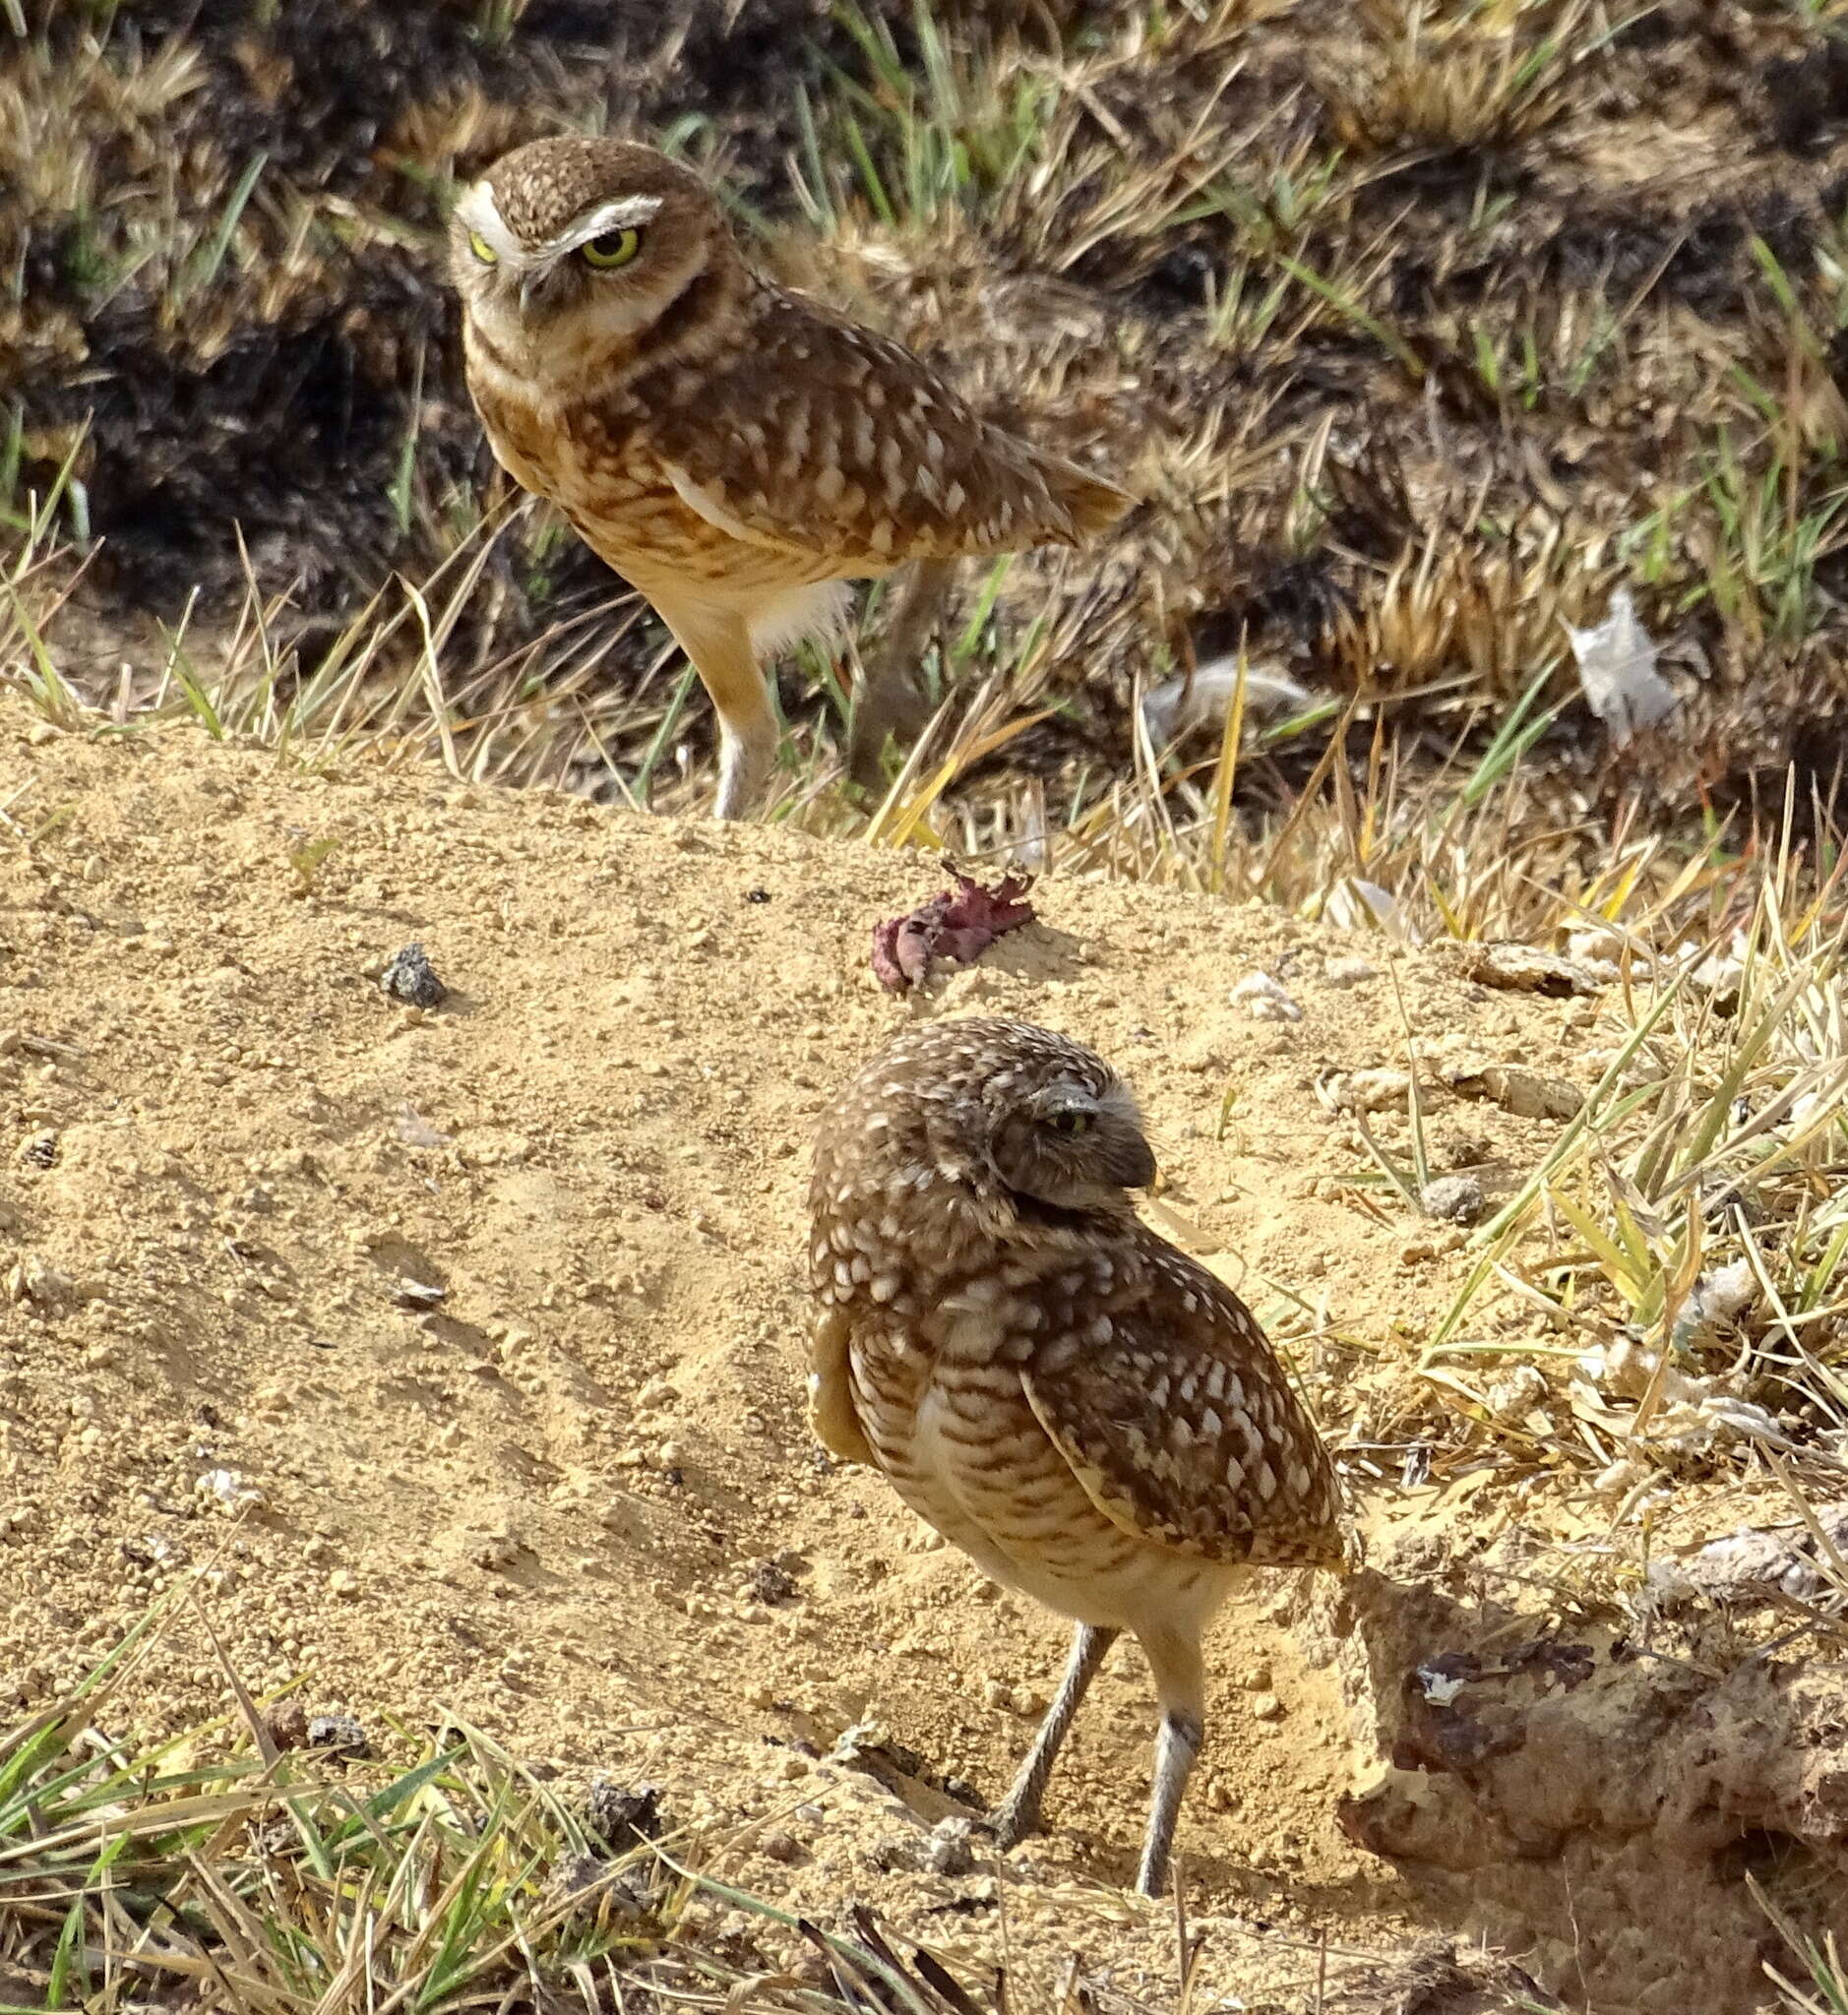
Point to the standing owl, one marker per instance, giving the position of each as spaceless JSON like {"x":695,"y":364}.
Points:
{"x":735,"y":451}
{"x":1092,"y":1415}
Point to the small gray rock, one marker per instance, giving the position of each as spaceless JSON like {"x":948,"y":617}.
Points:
{"x":411,"y":978}
{"x":895,"y":1855}
{"x":770,"y":1583}
{"x":626,"y":1815}
{"x":867,"y":1745}
{"x":340,"y":1733}
{"x":949,"y":1851}
{"x":1458,"y":1199}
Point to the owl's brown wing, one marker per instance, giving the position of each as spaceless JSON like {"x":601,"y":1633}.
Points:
{"x":1182,"y":1425}
{"x":831,"y":1411}
{"x":826,"y":440}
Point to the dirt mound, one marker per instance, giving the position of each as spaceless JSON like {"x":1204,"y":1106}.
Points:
{"x":1530,"y":1764}
{"x":459,"y":1349}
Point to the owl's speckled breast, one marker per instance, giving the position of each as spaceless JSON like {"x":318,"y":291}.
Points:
{"x":948,"y":1417}
{"x":597,"y":467}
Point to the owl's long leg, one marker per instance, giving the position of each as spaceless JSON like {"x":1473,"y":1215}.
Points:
{"x":889,"y":701}
{"x":1017,"y":1814}
{"x":720,"y":647}
{"x":1181,"y":1686}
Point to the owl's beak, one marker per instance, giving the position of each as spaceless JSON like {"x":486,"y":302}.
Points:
{"x":1131,"y":1162}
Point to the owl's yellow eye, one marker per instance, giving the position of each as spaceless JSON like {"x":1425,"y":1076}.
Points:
{"x":482,"y":250}
{"x":1072,"y":1123}
{"x":611,"y":250}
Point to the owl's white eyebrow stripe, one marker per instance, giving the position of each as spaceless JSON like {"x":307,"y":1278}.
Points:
{"x":624,"y":214}
{"x":480,"y":213}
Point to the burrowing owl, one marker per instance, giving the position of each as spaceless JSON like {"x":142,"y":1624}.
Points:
{"x":734,"y":450}
{"x":1088,"y":1413}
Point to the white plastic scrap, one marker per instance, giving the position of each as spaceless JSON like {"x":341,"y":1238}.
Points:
{"x":1264,"y":999}
{"x":1357,"y":905}
{"x":228,"y":1490}
{"x":1617,"y":669}
{"x":1630,"y":1368}
{"x":1178,"y":706}
{"x":1698,"y":1429}
{"x":1716,"y":1420}
{"x":1441,"y":1688}
{"x":1718,"y":1297}
{"x":1516,"y":1394}
{"x":1720,"y":972}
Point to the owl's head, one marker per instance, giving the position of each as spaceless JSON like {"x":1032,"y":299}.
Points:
{"x":1013,"y":1126}
{"x":1062,"y":1130}
{"x":571,"y":245}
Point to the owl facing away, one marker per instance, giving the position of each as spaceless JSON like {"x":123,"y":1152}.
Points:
{"x":1089,"y":1414}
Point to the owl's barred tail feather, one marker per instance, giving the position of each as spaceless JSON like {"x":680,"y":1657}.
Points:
{"x":1091,"y":504}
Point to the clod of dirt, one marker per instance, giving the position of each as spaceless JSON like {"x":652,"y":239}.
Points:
{"x":770,"y":1583}
{"x":1524,"y":1093}
{"x":1524,"y":969}
{"x":1807,"y":98}
{"x":1442,"y":1980}
{"x":1264,"y":1000}
{"x":39,"y":1150}
{"x":287,"y":1725}
{"x":1457,"y":1200}
{"x":585,"y":1885}
{"x":947,"y":1849}
{"x":1750,"y":1567}
{"x":624,"y":1817}
{"x":1521,"y":1761}
{"x":959,"y":924}
{"x":31,"y":1279}
{"x":410,"y":977}
{"x":951,"y":1850}
{"x":870,"y":1747}
{"x":340,"y":1735}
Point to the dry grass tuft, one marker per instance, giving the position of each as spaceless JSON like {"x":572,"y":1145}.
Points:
{"x":223,"y":1867}
{"x":1684,"y":1236}
{"x":1413,"y":335}
{"x":1444,"y":76}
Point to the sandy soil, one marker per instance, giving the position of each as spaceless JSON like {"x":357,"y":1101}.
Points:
{"x":464,"y":1348}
